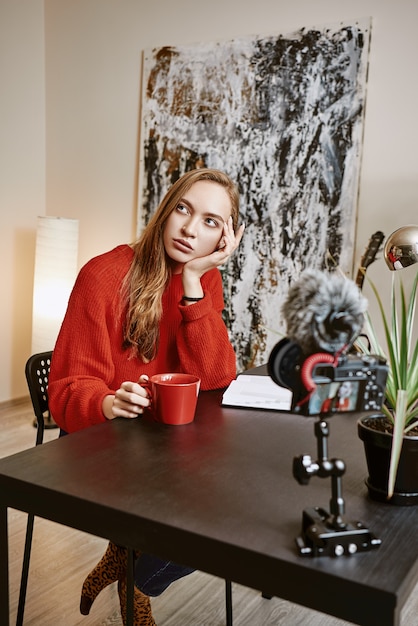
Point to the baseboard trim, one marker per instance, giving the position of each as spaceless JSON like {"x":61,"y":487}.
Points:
{"x":9,"y":404}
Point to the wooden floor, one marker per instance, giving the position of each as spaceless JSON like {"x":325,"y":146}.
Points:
{"x":62,"y":557}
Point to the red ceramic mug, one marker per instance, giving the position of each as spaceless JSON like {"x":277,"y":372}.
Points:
{"x":173,"y":397}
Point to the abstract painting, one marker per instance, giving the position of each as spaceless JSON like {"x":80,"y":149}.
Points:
{"x":283,"y":116}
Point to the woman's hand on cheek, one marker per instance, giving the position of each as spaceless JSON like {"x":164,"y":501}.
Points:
{"x":228,"y":243}
{"x":129,"y":401}
{"x":230,"y":240}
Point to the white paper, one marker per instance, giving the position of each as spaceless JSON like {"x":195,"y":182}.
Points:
{"x":257,"y":392}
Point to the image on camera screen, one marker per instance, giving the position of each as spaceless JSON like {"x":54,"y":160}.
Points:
{"x":334,"y":397}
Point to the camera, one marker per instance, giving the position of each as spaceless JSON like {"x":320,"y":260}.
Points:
{"x":324,"y":383}
{"x":317,"y":361}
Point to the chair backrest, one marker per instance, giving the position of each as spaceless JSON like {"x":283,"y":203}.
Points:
{"x":37,"y":374}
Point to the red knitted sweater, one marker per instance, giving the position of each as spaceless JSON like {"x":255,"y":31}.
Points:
{"x":89,"y":363}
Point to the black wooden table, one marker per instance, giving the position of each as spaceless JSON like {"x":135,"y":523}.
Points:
{"x":219,"y":495}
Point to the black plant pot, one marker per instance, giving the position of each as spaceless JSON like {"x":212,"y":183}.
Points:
{"x":377,"y":447}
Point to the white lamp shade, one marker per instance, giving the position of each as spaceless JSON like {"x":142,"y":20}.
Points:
{"x":55,"y":273}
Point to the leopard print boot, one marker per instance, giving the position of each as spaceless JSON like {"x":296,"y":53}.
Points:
{"x":109,"y":569}
{"x":142,"y":605}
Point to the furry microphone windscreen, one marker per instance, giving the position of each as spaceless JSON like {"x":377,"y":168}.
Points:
{"x":324,"y":312}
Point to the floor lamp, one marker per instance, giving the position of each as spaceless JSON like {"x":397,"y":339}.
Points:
{"x":56,"y":257}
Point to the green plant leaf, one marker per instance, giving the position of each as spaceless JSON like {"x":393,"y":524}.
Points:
{"x":398,"y":433}
{"x":401,"y":393}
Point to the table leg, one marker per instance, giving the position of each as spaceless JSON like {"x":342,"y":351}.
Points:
{"x":4,"y":568}
{"x":228,"y":602}
{"x":25,"y":570}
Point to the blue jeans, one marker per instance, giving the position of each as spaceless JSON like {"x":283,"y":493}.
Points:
{"x":153,"y":575}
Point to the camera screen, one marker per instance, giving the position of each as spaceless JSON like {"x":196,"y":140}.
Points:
{"x":335,"y":397}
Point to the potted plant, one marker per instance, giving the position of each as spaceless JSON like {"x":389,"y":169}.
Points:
{"x":388,"y":437}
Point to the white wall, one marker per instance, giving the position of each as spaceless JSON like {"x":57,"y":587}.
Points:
{"x":22,"y":179}
{"x":93,"y":67}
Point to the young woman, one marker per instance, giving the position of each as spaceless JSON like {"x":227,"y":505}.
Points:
{"x":340,"y":401}
{"x":139,"y":310}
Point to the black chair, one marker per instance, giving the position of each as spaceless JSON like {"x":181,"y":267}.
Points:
{"x":37,"y":373}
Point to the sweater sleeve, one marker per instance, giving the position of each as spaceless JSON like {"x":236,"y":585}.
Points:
{"x":82,"y":367}
{"x":203,"y":343}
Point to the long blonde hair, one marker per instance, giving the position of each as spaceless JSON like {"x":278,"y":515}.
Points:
{"x":150,"y":271}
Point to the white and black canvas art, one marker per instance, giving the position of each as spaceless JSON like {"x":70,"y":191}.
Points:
{"x":283,"y":116}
